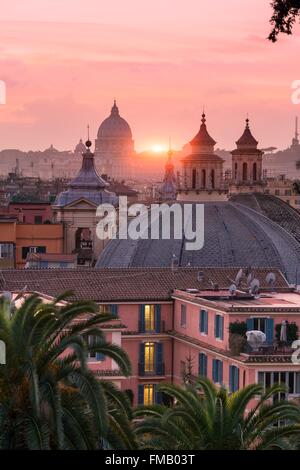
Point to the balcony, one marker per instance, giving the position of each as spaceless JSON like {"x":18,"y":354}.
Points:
{"x":158,"y":370}
{"x":275,"y":352}
{"x":161,"y":329}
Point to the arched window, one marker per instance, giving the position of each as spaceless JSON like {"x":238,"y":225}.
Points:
{"x":203,"y":179}
{"x":194,"y":177}
{"x":254,"y":171}
{"x":212,"y":176}
{"x":235,"y":171}
{"x":245,"y":171}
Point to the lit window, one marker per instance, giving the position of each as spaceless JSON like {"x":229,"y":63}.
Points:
{"x":148,"y":394}
{"x":149,"y":357}
{"x":149,"y":318}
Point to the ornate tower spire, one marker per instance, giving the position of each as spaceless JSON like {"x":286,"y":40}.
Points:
{"x":167,"y":189}
{"x":115,"y":109}
{"x":246,"y":163}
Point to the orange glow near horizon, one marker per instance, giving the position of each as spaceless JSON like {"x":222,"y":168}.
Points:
{"x":64,"y":62}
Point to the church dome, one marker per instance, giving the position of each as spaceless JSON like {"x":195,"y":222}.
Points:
{"x":234,"y":235}
{"x":114,"y":126}
{"x":80,"y":147}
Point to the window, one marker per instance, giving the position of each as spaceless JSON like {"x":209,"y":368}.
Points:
{"x":259,"y":324}
{"x":32,"y":249}
{"x":92,"y":341}
{"x":149,"y":357}
{"x":203,"y":322}
{"x":194,"y":179}
{"x":203,"y":364}
{"x":148,"y":394}
{"x":266,"y":325}
{"x":6,"y":250}
{"x":150,"y":319}
{"x":287,"y":192}
{"x":277,"y":192}
{"x":38,"y":219}
{"x":217,"y":372}
{"x":233,"y":379}
{"x":291,"y":380}
{"x":254,"y":171}
{"x":183,"y":316}
{"x":245,"y":171}
{"x":219,"y":327}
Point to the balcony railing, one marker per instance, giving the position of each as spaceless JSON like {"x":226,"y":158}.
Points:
{"x":158,"y":369}
{"x":161,"y":328}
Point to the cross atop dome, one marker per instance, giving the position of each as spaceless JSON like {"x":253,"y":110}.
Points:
{"x":115,"y":109}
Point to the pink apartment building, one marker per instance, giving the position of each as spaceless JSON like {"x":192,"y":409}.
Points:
{"x":172,"y":325}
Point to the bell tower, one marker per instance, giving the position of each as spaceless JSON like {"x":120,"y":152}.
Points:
{"x":202,"y":170}
{"x":247,"y":173}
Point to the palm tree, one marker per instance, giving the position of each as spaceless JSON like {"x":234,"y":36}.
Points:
{"x":49,"y":399}
{"x":207,"y":417}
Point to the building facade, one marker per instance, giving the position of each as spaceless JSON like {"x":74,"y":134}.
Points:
{"x":176,"y":326}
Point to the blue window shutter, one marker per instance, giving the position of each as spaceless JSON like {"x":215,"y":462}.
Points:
{"x":158,"y":396}
{"x":157,"y":319}
{"x":114,"y":310}
{"x":221,"y":332}
{"x":100,"y":356}
{"x":159,"y":358}
{"x":231,"y":379}
{"x":142,"y":319}
{"x":201,"y":321}
{"x":206,"y":322}
{"x":270,"y":330}
{"x":220,"y":374}
{"x":237,"y":379}
{"x":142,"y":359}
{"x":250,"y":324}
{"x":217,"y":325}
{"x":214,"y":370}
{"x":203,"y":364}
{"x":141,"y":394}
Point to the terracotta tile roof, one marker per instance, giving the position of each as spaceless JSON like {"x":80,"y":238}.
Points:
{"x":124,"y":284}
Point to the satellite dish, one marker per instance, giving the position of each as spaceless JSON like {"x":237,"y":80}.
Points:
{"x":200,"y":276}
{"x":249,"y":278}
{"x":232,"y":289}
{"x":238,"y":277}
{"x":271,"y":279}
{"x":254,"y":286}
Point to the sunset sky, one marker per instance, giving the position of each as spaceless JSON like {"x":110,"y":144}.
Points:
{"x":64,"y":61}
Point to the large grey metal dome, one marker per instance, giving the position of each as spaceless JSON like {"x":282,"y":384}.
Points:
{"x":114,"y":126}
{"x":235,"y":235}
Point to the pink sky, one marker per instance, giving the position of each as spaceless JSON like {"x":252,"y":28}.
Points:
{"x":64,"y":61}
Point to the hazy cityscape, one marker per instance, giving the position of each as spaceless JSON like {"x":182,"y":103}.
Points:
{"x":149,"y":228}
